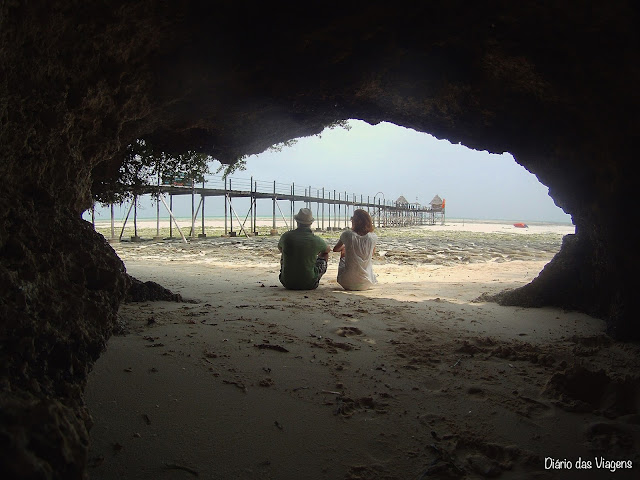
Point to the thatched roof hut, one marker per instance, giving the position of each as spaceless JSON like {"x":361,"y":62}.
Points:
{"x":402,"y":201}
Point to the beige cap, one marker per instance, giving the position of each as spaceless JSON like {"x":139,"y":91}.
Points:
{"x":304,"y":216}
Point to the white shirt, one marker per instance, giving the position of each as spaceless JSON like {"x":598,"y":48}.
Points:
{"x":355,"y":271}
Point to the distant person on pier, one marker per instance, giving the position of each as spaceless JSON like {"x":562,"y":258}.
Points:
{"x":356,"y":247}
{"x":304,"y":255}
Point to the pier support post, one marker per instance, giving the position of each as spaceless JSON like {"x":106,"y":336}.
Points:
{"x":193,"y":209}
{"x":158,"y":237}
{"x":334,"y":211}
{"x":339,"y":219}
{"x":346,"y":209}
{"x":113,"y":233}
{"x":317,"y":209}
{"x":225,"y":208}
{"x":231,"y":232}
{"x":203,"y":234}
{"x":255,"y":208}
{"x":170,"y":208}
{"x":322,"y":208}
{"x":329,"y":211}
{"x":252,"y":228}
{"x":135,"y":237}
{"x":274,"y":231}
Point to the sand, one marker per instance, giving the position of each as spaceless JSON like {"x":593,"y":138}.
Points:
{"x":414,"y":379}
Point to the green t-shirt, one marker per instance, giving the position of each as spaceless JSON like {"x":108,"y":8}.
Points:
{"x":300,"y":249}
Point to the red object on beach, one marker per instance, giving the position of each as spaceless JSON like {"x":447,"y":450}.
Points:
{"x":521,"y":225}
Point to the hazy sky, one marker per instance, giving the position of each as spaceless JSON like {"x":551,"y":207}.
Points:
{"x":368,"y":159}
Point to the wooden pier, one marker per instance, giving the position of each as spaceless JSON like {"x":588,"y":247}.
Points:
{"x":332,"y":209}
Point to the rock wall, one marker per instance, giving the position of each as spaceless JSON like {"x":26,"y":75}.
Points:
{"x":61,"y":284}
{"x":554,"y":84}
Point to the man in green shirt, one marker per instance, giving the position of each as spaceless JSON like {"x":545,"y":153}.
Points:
{"x":304,"y":255}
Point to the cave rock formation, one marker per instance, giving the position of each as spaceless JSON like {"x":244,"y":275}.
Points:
{"x":553,"y":83}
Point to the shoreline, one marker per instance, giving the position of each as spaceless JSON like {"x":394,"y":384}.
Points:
{"x":267,"y":220}
{"x":214,"y":227}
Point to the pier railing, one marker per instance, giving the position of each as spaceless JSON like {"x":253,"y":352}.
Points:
{"x":332,"y":209}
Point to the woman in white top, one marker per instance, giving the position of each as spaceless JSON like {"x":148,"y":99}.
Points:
{"x":356,"y":247}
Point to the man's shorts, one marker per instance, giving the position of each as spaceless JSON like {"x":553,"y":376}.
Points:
{"x":321,"y":267}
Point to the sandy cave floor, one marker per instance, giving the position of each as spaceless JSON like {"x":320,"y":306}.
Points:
{"x":413,"y":379}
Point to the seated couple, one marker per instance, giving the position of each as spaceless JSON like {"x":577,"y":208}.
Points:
{"x":305,"y":255}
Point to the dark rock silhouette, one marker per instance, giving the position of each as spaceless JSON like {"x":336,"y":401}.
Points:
{"x":556,"y":87}
{"x":149,"y":291}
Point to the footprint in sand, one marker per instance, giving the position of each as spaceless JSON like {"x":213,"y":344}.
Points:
{"x":349,"y":331}
{"x":354,"y":332}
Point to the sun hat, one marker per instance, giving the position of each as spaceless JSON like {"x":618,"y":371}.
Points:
{"x":304,"y":216}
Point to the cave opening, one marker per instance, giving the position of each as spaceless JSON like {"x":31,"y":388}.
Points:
{"x":254,"y":378}
{"x":381,"y":161}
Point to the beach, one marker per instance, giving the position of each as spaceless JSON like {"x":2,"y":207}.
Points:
{"x":416,"y":378}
